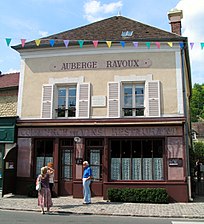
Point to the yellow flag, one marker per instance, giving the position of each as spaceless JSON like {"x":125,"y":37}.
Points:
{"x":170,"y":44}
{"x":37,"y":42}
{"x":109,"y":43}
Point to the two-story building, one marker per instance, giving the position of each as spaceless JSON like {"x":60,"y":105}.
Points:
{"x":114,"y":92}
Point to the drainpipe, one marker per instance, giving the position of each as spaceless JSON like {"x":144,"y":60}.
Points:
{"x":186,"y":128}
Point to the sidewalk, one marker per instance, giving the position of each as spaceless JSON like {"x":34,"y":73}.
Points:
{"x":71,"y":205}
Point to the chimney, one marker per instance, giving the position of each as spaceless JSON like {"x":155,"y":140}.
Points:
{"x":175,"y":17}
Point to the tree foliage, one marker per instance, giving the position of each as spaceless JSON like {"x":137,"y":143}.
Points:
{"x":198,"y":151}
{"x":197,"y":103}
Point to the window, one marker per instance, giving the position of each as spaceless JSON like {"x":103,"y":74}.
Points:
{"x":137,"y":160}
{"x":44,"y":153}
{"x":126,"y":33}
{"x":133,"y":100}
{"x":70,"y":101}
{"x":66,"y":148}
{"x":66,"y":101}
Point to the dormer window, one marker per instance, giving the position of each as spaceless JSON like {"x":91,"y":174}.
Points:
{"x":126,"y":33}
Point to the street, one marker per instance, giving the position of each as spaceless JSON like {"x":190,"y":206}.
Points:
{"x":13,"y":217}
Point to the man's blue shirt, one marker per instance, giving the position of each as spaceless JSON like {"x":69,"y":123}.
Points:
{"x":87,"y":172}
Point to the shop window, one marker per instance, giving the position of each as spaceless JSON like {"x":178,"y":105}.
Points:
{"x":94,"y":151}
{"x":137,"y":160}
{"x":44,"y":153}
{"x":66,"y":148}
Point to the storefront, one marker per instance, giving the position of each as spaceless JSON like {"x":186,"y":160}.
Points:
{"x":7,"y":154}
{"x":120,"y":155}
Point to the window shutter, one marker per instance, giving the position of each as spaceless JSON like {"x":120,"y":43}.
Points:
{"x":113,"y":99}
{"x":153,"y":99}
{"x":47,"y":98}
{"x":84,"y":100}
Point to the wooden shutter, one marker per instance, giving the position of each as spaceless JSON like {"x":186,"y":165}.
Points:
{"x":83,"y":100}
{"x":113,"y":99}
{"x":47,"y":98}
{"x":153,"y":99}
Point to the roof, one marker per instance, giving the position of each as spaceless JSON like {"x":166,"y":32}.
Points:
{"x":9,"y":80}
{"x":107,"y":29}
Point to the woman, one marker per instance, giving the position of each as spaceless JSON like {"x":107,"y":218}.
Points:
{"x":51,"y":176}
{"x":44,"y":195}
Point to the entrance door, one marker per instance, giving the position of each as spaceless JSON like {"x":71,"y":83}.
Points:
{"x":9,"y":171}
{"x":94,"y":155}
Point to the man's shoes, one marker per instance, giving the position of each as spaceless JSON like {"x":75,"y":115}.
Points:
{"x":86,"y":203}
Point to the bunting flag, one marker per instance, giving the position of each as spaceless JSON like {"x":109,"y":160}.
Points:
{"x":109,"y":43}
{"x":170,"y":44}
{"x":95,"y":43}
{"x":157,"y":44}
{"x":135,"y":44}
{"x":8,"y":41}
{"x":181,"y":45}
{"x":122,"y":43}
{"x":81,"y":42}
{"x":23,"y":42}
{"x":191,"y":44}
{"x":148,"y":44}
{"x":66,"y":43}
{"x":52,"y":42}
{"x":37,"y":42}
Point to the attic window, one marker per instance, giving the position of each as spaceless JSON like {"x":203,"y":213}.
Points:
{"x":126,"y":33}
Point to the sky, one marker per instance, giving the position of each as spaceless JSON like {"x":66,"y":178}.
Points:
{"x":34,"y":19}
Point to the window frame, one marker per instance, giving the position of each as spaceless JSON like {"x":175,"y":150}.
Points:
{"x":134,"y":110}
{"x":67,"y":108}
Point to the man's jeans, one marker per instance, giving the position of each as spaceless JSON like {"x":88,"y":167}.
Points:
{"x":86,"y":190}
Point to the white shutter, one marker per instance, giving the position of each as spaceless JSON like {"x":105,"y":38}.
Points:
{"x":47,"y":98}
{"x":83,"y":100}
{"x":153,"y":99}
{"x":113,"y":99}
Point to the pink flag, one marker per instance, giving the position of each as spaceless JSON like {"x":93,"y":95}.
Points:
{"x":95,"y":43}
{"x":158,"y":44}
{"x":23,"y":42}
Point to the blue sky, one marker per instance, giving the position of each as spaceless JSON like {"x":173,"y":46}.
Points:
{"x":33,"y":19}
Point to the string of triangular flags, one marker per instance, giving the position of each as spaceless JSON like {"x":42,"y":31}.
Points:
{"x":96,"y":42}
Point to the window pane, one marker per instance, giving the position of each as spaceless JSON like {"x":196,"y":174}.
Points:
{"x":128,"y":96}
{"x":147,"y":168}
{"x":126,"y":149}
{"x":137,"y":169}
{"x":139,"y":100}
{"x":126,"y":168}
{"x":115,"y":169}
{"x":115,"y":149}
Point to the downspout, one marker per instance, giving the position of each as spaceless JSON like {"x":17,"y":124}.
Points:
{"x":186,"y":128}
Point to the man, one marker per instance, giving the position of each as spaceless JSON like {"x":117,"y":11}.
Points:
{"x":87,"y":175}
